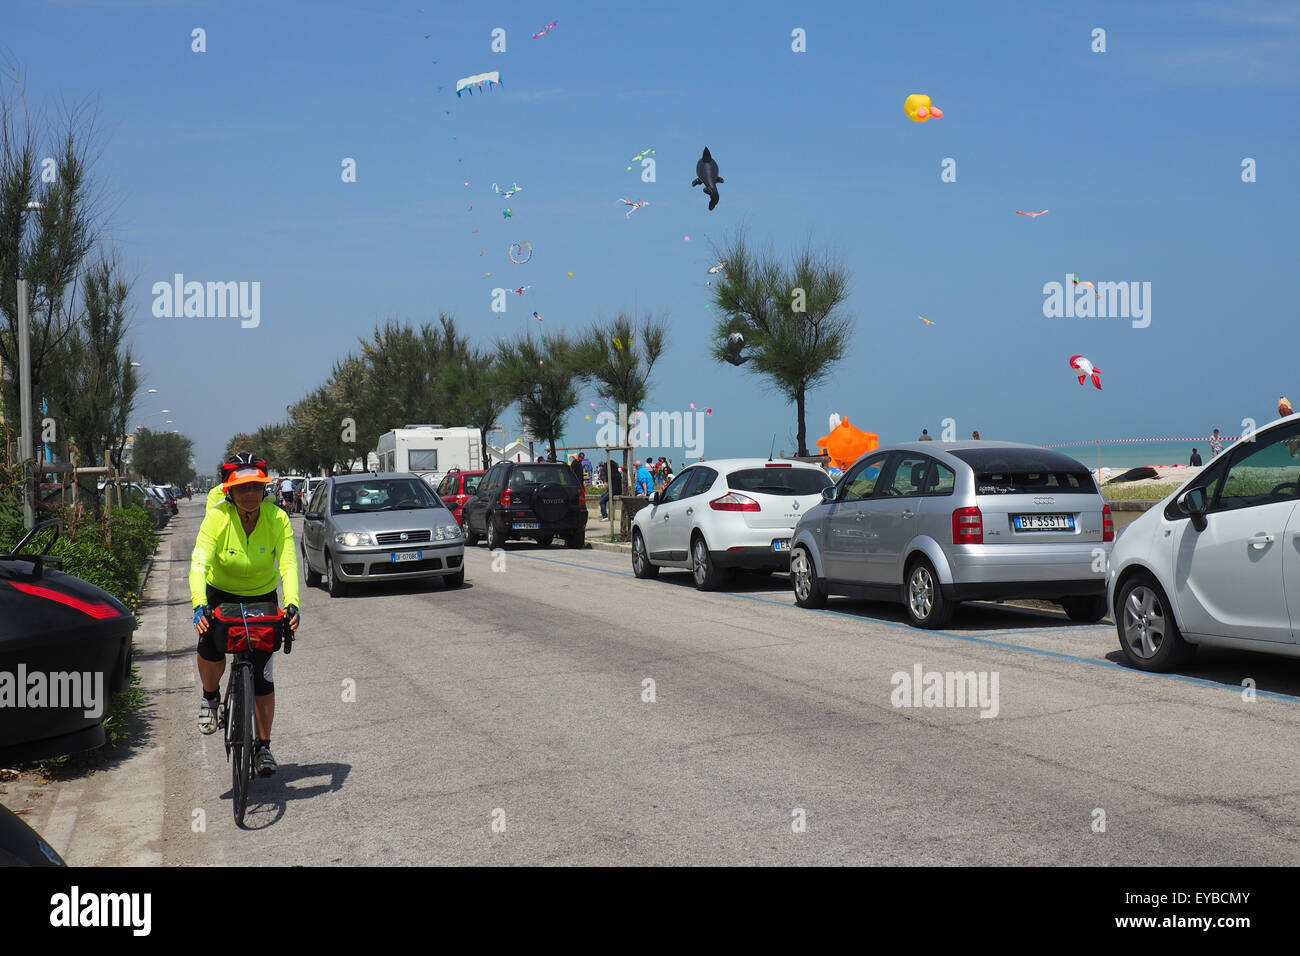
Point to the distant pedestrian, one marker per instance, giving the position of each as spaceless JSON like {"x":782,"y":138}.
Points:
{"x":1216,"y":444}
{"x":975,"y":435}
{"x":1195,"y":460}
{"x":925,"y":435}
{"x":644,"y":480}
{"x":1283,"y":407}
{"x":578,"y":468}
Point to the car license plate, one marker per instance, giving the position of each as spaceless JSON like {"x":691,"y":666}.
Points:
{"x":1043,"y":522}
{"x":407,"y":556}
{"x":527,"y":526}
{"x":781,"y":544}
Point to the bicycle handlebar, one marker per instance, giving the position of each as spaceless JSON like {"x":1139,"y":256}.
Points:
{"x":286,"y":632}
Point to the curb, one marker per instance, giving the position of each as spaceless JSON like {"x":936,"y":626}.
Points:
{"x":616,"y":547}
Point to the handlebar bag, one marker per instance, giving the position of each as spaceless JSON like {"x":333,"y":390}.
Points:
{"x":258,"y":625}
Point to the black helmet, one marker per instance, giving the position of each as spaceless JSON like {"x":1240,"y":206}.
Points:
{"x":243,"y":459}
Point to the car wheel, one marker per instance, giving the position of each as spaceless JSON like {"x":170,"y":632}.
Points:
{"x":808,"y":590}
{"x":923,"y":597}
{"x":708,"y":576}
{"x":1089,"y":610}
{"x":495,"y":536}
{"x":313,"y":578}
{"x":1148,"y":634}
{"x":471,"y":537}
{"x":455,"y":580}
{"x":641,"y":565}
{"x":545,"y":540}
{"x":333,"y":582}
{"x":576,"y":540}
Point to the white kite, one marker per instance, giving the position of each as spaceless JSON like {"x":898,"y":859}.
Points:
{"x":479,"y":80}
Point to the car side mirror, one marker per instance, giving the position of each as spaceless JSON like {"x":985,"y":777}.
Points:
{"x":828,"y":494}
{"x":312,"y":516}
{"x":1192,"y":503}
{"x":655,"y":500}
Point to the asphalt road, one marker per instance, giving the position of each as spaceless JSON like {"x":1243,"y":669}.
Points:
{"x":505,"y":723}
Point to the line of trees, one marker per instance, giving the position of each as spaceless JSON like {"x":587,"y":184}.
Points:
{"x":783,"y":322}
{"x":53,"y":234}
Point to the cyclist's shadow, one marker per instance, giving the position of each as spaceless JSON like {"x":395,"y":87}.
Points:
{"x":268,"y":797}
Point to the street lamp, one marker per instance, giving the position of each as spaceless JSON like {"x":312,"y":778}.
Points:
{"x":25,"y":391}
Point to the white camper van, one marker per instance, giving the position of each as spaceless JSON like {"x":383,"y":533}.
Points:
{"x":430,"y":450}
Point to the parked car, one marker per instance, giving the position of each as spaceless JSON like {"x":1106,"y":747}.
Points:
{"x":456,"y":488}
{"x":158,"y":496}
{"x":168,"y":498}
{"x":721,"y":515}
{"x":1216,"y":562}
{"x":932,"y":524}
{"x":527,"y":500}
{"x":135,"y":494}
{"x":364,"y":528}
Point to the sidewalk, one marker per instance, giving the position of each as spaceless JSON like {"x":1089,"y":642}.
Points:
{"x":598,"y":533}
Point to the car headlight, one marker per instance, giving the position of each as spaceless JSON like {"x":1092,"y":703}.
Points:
{"x":354,"y":539}
{"x":447,"y":532}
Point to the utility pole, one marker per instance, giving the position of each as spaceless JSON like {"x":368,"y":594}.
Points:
{"x":25,"y":404}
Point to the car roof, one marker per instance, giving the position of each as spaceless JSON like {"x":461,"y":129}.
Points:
{"x":731,"y":464}
{"x":367,"y":476}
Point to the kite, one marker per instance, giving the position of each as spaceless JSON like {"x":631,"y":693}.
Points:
{"x":635,"y":205}
{"x":641,"y":155}
{"x":1088,"y":284}
{"x":735,"y":343}
{"x":686,"y":238}
{"x":480,"y":80}
{"x":918,"y":108}
{"x":1085,"y":369}
{"x":1031,"y":215}
{"x":706,"y":175}
{"x":546,"y":29}
{"x":506,"y":213}
{"x":506,"y":193}
{"x":537,"y":317}
{"x":719,"y":269}
{"x":520,"y":252}
{"x":925,"y":320}
{"x":520,"y":290}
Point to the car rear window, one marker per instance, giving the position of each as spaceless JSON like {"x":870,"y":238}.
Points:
{"x":540,"y":474}
{"x":1001,"y":471}
{"x":790,"y":482}
{"x":471,"y":484}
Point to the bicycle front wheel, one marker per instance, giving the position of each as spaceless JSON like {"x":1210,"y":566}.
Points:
{"x":241,"y":754}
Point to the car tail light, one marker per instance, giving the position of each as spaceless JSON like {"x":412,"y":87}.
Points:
{"x":734,"y":501}
{"x":505,"y":497}
{"x":1107,"y":524}
{"x":582,"y":497}
{"x":967,"y":526}
{"x":778,"y":464}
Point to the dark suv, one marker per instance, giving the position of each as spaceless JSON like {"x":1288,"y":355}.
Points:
{"x":540,"y":500}
{"x":456,"y":488}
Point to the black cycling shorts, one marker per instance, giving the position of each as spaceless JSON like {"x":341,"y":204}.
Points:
{"x":263,"y":678}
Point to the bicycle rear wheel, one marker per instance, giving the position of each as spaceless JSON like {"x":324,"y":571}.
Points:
{"x":241,"y":733}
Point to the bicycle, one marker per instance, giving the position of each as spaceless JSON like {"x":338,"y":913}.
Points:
{"x":257,"y":626}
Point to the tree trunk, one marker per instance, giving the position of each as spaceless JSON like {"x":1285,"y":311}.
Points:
{"x":800,"y":401}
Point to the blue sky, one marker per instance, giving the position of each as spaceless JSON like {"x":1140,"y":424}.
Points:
{"x":225,"y":166}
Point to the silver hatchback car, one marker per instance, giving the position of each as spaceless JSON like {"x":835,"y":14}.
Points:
{"x":932,"y":524}
{"x":361,"y":528}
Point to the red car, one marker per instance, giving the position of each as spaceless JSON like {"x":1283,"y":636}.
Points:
{"x":456,"y":488}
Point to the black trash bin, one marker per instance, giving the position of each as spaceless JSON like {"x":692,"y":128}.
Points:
{"x":65,"y":649}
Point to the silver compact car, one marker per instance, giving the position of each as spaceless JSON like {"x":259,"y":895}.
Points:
{"x":1217,"y":562}
{"x":932,"y":524}
{"x":360,"y":528}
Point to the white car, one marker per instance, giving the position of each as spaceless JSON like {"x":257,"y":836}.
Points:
{"x":720,"y":515}
{"x":1214,"y":562}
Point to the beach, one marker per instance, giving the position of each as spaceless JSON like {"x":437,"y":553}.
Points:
{"x":1168,"y":476}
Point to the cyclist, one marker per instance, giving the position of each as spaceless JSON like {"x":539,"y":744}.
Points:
{"x":234,"y":560}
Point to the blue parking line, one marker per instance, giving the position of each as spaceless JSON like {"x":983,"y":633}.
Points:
{"x":970,"y":639}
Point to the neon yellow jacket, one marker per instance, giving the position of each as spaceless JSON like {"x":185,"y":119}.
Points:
{"x":215,"y":497}
{"x":246,"y":565}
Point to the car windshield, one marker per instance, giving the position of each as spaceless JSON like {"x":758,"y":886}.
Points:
{"x":540,"y":474}
{"x":1026,"y":471}
{"x":790,"y":482}
{"x":471,"y":483}
{"x":383,"y":494}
